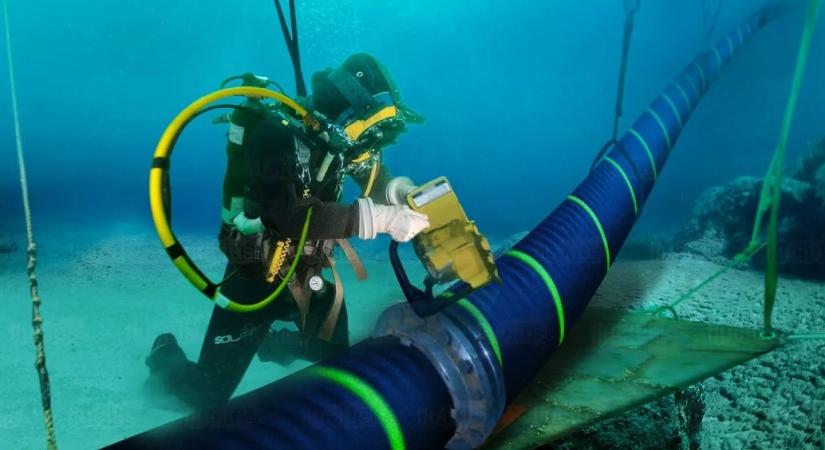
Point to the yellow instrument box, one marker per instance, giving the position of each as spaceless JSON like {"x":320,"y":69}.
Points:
{"x":452,"y":247}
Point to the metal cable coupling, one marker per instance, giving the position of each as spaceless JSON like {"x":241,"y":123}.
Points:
{"x":464,"y":359}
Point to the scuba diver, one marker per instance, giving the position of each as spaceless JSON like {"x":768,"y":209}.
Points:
{"x":277,"y":170}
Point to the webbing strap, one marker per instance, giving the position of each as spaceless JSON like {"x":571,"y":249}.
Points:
{"x":765,"y":199}
{"x":351,"y":89}
{"x":735,"y":261}
{"x":371,"y":397}
{"x":769,"y":198}
{"x":806,"y":337}
{"x":328,"y":327}
{"x":771,"y":275}
{"x":37,"y":319}
{"x":353,"y":259}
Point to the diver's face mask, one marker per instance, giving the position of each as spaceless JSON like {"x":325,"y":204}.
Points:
{"x":379,"y":124}
{"x":372,"y":120}
{"x":367,"y":134}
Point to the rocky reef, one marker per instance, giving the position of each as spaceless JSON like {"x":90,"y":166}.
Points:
{"x":771,"y":402}
{"x":722,"y":219}
{"x":672,"y":422}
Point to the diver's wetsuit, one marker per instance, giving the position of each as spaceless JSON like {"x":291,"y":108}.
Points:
{"x":232,"y":339}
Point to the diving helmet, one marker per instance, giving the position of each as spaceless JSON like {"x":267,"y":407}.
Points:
{"x":361,"y":100}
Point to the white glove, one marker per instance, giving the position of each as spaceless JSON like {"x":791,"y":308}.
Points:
{"x":400,"y":222}
{"x":246,"y":225}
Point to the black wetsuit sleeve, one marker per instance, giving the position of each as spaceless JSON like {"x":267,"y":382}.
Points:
{"x":275,"y":192}
{"x":286,"y":215}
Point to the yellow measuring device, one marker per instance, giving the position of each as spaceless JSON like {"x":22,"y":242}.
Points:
{"x":452,"y":247}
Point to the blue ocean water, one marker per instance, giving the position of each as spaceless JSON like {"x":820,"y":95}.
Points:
{"x":518,"y":95}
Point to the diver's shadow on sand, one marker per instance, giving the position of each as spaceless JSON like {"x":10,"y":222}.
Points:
{"x":157,"y":396}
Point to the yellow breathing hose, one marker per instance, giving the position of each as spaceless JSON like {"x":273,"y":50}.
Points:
{"x":373,"y":175}
{"x":158,"y":172}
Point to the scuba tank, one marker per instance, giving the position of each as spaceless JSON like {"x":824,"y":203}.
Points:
{"x":242,"y":121}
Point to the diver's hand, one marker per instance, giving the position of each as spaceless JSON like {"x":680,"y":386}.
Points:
{"x":400,"y":222}
{"x":246,"y":225}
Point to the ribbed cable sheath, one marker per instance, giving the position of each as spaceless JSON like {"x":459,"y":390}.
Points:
{"x":568,"y":244}
{"x":310,"y":412}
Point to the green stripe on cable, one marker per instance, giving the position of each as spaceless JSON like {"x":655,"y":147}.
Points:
{"x":548,"y":280}
{"x":598,"y":224}
{"x":674,"y":108}
{"x":693,"y":86}
{"x":485,"y":327}
{"x":701,"y":75}
{"x":641,"y":140}
{"x":626,"y":181}
{"x":662,"y":126}
{"x":718,"y":58}
{"x":684,"y":94}
{"x":370,"y":397}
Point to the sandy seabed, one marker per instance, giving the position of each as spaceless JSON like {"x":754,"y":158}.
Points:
{"x":776,"y":401}
{"x":106,"y":298}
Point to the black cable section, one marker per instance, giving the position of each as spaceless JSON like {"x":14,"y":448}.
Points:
{"x":630,"y":11}
{"x":291,"y":40}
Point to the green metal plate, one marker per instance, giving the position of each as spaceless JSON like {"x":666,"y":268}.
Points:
{"x":614,"y":361}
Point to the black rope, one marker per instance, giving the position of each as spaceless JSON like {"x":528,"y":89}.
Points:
{"x":713,"y":20}
{"x":630,"y":11}
{"x":628,"y":33}
{"x":291,"y":39}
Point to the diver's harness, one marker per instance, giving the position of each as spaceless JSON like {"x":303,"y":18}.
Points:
{"x":309,"y":129}
{"x":265,"y":253}
{"x":160,"y":195}
{"x":451,"y":248}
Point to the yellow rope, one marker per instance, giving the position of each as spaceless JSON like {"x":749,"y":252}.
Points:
{"x":37,"y":319}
